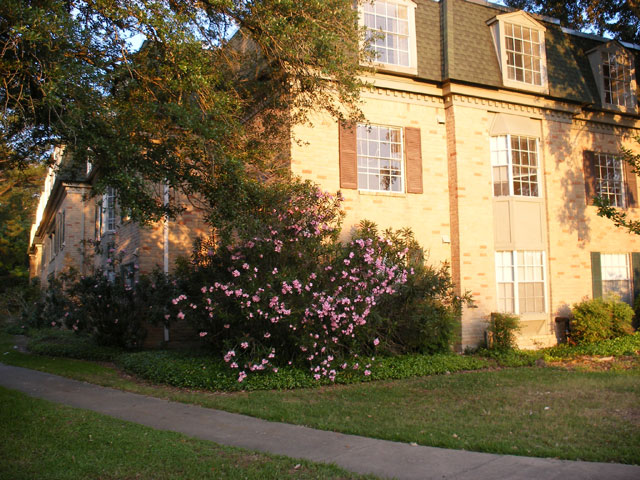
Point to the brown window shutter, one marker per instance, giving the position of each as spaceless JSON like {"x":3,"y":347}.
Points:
{"x":348,"y":156}
{"x":413,"y":149}
{"x":590,"y":176}
{"x":631,"y":185}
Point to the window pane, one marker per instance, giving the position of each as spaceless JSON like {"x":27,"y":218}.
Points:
{"x":523,"y":47}
{"x":381,"y":167}
{"x":609,"y":176}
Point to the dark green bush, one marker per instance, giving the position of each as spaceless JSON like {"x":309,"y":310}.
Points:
{"x":501,"y":332}
{"x":598,"y":319}
{"x":19,"y":306}
{"x":106,"y":308}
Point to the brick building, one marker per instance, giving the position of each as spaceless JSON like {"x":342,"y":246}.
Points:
{"x":488,"y":133}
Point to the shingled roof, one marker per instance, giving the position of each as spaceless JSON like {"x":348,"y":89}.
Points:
{"x":454,"y":43}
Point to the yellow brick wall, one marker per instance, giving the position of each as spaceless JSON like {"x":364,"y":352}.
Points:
{"x":471,"y":196}
{"x":574,"y":228}
{"x":427,"y":214}
{"x":457,"y":201}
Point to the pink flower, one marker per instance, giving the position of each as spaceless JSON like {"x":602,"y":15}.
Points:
{"x":226,"y":325}
{"x":235,"y":273}
{"x":203,"y":334}
{"x":244,"y":345}
{"x":267,"y":335}
{"x":180,"y":315}
{"x":241,"y":377}
{"x":376,"y":341}
{"x":367,"y":373}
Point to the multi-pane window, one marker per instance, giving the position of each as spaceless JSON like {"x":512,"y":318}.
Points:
{"x":380,"y":158}
{"x":616,"y":73}
{"x":514,"y":160}
{"x":610,"y":184}
{"x":109,"y":209}
{"x":520,"y":277}
{"x":524,"y":54}
{"x":391,"y":22}
{"x":616,"y":278}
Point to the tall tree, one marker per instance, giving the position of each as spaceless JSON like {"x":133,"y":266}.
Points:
{"x":18,"y":196}
{"x":619,"y":19}
{"x":197,"y":107}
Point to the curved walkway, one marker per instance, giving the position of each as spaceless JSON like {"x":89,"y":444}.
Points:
{"x":354,"y":453}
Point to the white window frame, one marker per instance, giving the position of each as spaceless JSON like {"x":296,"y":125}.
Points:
{"x":603,"y":181}
{"x":622,"y":56}
{"x":401,"y":159}
{"x":109,"y":210}
{"x":609,"y":263}
{"x":509,"y":157}
{"x":412,"y":67}
{"x":498,"y":30}
{"x":516,"y":280}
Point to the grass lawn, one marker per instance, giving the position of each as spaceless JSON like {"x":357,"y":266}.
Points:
{"x":47,"y":441}
{"x":569,"y":413}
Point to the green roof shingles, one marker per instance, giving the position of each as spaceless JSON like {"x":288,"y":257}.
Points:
{"x":455,"y":43}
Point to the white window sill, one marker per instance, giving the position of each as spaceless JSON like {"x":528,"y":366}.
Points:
{"x":376,"y":193}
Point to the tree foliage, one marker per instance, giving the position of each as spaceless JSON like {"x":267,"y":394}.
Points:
{"x":18,"y":197}
{"x":619,"y":19}
{"x":195,"y":106}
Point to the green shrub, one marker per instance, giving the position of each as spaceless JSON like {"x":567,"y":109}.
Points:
{"x":636,"y":313}
{"x":501,"y":332}
{"x":19,"y":306}
{"x":106,"y":307}
{"x":621,"y":318}
{"x":597,"y":319}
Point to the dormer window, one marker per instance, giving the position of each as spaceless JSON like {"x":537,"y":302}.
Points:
{"x":391,"y":23}
{"x":524,"y":60}
{"x":614,"y":72}
{"x":520,"y":47}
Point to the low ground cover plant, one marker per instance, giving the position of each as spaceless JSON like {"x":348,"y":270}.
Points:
{"x":207,"y":372}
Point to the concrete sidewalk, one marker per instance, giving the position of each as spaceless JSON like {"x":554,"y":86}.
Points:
{"x":354,"y":453}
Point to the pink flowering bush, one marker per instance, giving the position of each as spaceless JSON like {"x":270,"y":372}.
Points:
{"x":291,"y":293}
